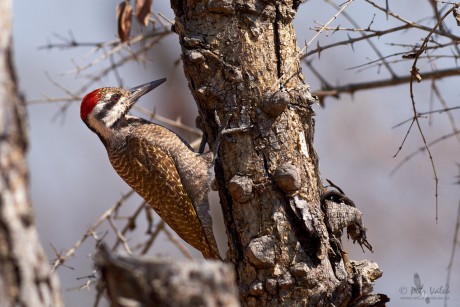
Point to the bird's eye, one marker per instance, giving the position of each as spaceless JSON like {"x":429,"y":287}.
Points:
{"x":114,"y":98}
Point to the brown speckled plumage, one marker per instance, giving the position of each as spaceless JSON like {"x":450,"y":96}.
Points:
{"x":157,"y":164}
{"x":147,"y":163}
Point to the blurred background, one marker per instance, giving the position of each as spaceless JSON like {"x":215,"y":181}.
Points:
{"x":73,"y":183}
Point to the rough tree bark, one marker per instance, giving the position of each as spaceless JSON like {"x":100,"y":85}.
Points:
{"x":25,"y":278}
{"x":242,"y":63}
{"x":142,"y":281}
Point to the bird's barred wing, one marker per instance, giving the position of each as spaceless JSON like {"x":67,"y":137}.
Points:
{"x":164,"y":190}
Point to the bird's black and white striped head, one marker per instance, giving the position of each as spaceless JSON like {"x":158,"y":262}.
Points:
{"x":104,"y":109}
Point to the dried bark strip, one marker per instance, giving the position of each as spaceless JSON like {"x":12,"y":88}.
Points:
{"x":124,"y":20}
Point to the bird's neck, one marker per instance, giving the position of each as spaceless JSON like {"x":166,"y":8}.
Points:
{"x":111,"y":134}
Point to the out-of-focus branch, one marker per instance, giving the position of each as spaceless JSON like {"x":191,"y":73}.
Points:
{"x":446,"y":109}
{"x":136,"y":281}
{"x":422,"y":149}
{"x":415,"y":76}
{"x":354,"y":87}
{"x":289,"y":64}
{"x":60,"y":259}
{"x":414,"y":24}
{"x":369,"y":41}
{"x":426,"y":113}
{"x":351,"y":41}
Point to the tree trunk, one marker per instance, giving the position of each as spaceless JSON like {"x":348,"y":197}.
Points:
{"x":25,"y":278}
{"x":242,"y":63}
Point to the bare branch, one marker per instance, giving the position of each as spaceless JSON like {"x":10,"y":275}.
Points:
{"x":414,"y":24}
{"x":415,"y":75}
{"x":354,"y":87}
{"x":426,"y":113}
{"x":373,"y":46}
{"x":61,"y":259}
{"x":405,"y":138}
{"x":152,"y":237}
{"x":320,"y":49}
{"x":454,"y":246}
{"x":178,"y":244}
{"x":446,"y":109}
{"x":294,"y":59}
{"x":422,"y":149}
{"x":120,"y":236}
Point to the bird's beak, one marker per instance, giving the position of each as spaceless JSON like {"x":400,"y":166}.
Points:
{"x":138,"y":91}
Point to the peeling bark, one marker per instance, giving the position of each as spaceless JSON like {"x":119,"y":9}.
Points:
{"x":25,"y":278}
{"x":242,"y":63}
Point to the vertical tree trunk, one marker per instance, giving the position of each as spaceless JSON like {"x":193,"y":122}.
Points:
{"x":234,"y":54}
{"x":25,"y":278}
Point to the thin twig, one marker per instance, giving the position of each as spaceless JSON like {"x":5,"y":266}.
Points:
{"x":413,"y":24}
{"x":354,"y":87}
{"x":404,"y":139}
{"x":426,"y":113}
{"x":422,"y":149}
{"x":120,"y":236}
{"x":175,"y":123}
{"x":152,"y":237}
{"x":294,"y":58}
{"x":415,"y":75}
{"x":446,"y":109}
{"x":351,"y":41}
{"x":178,"y":244}
{"x":454,"y":247}
{"x":130,"y":225}
{"x":61,"y":259}
{"x":116,"y":48}
{"x":373,"y":46}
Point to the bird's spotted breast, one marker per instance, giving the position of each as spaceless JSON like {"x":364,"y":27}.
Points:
{"x":151,"y":172}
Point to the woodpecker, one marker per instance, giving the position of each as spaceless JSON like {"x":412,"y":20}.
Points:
{"x":154,"y":161}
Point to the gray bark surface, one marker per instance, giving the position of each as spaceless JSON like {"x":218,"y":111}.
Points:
{"x":241,"y":60}
{"x":25,"y":278}
{"x":142,"y":281}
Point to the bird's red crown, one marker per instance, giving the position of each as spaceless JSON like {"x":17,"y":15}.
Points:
{"x":89,"y":101}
